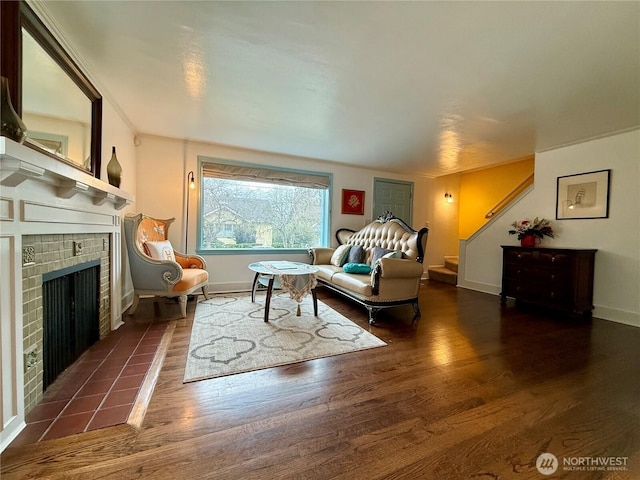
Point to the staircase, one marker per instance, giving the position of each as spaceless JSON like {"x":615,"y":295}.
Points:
{"x":447,"y":273}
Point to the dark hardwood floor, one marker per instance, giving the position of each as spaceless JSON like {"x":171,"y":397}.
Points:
{"x":472,"y":391}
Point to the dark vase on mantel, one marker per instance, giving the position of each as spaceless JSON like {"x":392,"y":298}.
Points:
{"x":114,"y":170}
{"x":12,"y":125}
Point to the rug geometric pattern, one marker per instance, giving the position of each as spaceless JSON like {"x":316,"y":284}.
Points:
{"x":230,"y":336}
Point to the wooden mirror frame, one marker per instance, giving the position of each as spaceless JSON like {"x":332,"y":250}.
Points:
{"x":16,"y":14}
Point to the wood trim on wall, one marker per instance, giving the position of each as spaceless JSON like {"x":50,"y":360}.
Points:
{"x":10,"y":63}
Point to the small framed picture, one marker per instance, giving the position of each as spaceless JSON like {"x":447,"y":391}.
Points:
{"x":353,"y":202}
{"x":584,"y":195}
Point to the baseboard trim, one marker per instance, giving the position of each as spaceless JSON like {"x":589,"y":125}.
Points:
{"x":617,"y":315}
{"x":604,"y":313}
{"x":228,"y":287}
{"x":479,"y":287}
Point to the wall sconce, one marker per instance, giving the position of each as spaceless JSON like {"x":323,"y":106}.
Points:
{"x":448,"y":198}
{"x":191,"y":179}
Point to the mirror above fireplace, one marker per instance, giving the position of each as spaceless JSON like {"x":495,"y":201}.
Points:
{"x":59,"y":105}
{"x":57,"y":113}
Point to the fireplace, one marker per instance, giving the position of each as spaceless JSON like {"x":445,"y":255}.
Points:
{"x":53,"y":216}
{"x":71,"y":317}
{"x":55,"y":256}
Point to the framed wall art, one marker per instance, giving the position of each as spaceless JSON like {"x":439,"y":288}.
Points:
{"x":584,"y":195}
{"x":353,"y":202}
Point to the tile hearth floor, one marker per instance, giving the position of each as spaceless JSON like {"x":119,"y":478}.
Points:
{"x":100,"y":388}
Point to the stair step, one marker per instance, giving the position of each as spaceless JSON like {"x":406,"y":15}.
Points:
{"x":442,"y":274}
{"x":451,"y":263}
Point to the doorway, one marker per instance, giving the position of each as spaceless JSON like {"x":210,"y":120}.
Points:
{"x":394,"y":196}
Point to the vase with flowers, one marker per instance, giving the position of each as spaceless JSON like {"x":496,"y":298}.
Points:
{"x":530,"y":232}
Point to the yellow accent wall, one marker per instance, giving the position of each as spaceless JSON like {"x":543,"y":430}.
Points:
{"x":481,"y":190}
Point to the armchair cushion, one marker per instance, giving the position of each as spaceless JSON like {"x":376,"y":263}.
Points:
{"x":160,"y":250}
{"x":190,"y":261}
{"x":191,"y":277}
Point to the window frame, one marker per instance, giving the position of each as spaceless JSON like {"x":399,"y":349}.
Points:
{"x":326,"y":223}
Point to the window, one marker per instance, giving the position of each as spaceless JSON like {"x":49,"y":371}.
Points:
{"x":248,"y":207}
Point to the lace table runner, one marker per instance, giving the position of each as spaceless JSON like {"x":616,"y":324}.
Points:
{"x":297,"y":279}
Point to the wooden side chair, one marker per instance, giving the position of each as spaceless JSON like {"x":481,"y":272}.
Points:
{"x":156,"y":268}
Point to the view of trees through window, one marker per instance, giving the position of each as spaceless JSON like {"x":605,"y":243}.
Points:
{"x":248,"y":215}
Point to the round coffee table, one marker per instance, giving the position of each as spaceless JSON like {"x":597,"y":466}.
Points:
{"x":268,"y":273}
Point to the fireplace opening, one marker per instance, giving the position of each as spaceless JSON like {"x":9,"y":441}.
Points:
{"x":71,"y":316}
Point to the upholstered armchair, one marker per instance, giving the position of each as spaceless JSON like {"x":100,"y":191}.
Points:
{"x":157,"y":269}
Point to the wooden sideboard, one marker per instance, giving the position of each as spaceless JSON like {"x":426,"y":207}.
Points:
{"x":554,"y":278}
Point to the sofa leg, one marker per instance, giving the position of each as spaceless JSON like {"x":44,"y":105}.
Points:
{"x":416,"y":311}
{"x":373,"y":313}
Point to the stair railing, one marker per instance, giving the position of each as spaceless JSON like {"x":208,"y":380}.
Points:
{"x":507,"y":198}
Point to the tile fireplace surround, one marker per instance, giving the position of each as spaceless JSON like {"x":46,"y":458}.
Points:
{"x":52,"y":216}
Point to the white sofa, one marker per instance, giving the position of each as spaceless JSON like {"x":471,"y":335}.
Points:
{"x":394,"y":278}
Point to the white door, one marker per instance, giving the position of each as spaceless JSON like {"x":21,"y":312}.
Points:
{"x":394,"y":196}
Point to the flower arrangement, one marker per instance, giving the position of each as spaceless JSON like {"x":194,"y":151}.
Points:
{"x":538,"y":227}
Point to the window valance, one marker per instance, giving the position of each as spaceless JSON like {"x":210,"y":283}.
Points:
{"x":264,"y":175}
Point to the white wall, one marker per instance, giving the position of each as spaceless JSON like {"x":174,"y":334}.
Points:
{"x":162,"y":167}
{"x":116,"y":132}
{"x":617,"y":238}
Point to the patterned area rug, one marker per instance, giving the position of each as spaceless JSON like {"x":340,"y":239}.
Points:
{"x":230,"y":336}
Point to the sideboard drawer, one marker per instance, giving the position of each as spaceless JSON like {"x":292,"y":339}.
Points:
{"x":555,"y":278}
{"x":518,"y":257}
{"x":555,"y":259}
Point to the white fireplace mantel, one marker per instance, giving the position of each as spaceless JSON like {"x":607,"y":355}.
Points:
{"x":42,"y":195}
{"x":20,"y":163}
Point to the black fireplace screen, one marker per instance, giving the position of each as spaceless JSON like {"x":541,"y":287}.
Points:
{"x":71,"y":309}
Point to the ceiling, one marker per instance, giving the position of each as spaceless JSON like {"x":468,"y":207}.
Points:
{"x":427,"y":88}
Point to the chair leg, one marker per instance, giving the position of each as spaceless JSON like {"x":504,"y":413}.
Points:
{"x":134,"y":305}
{"x":183,"y":305}
{"x":205,"y":291}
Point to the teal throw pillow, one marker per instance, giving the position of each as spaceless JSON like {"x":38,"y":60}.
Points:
{"x":357,"y":268}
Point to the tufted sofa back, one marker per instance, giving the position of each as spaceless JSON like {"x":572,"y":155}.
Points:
{"x":392,"y":234}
